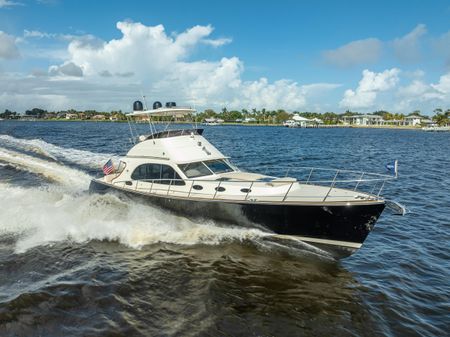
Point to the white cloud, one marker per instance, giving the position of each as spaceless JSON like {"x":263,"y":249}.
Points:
{"x":147,"y":59}
{"x":217,"y":42}
{"x":441,"y":46}
{"x":105,"y":73}
{"x":272,"y":95}
{"x":9,"y":3}
{"x":369,"y":86}
{"x":415,"y":89}
{"x":62,"y":93}
{"x":426,"y":96}
{"x":148,"y":56}
{"x":37,"y":34}
{"x":443,"y":87}
{"x":407,"y":48}
{"x":8,"y":48}
{"x":354,"y":53}
{"x":127,"y":74}
{"x":67,"y":69}
{"x":318,"y":88}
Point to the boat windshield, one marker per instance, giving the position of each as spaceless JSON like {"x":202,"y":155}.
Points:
{"x":194,"y":170}
{"x":218,"y":166}
{"x":206,"y":168}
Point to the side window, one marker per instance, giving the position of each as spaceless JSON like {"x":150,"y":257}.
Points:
{"x":147,"y":172}
{"x":169,"y":176}
{"x":161,"y":174}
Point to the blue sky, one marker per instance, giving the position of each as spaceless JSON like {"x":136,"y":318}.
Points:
{"x":296,"y":55}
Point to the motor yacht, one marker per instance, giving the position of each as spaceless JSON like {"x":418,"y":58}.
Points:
{"x":179,"y":169}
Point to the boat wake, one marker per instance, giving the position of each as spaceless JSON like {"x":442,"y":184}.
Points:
{"x":53,"y":171}
{"x":63,"y":210}
{"x":51,"y":214}
{"x":53,"y":152}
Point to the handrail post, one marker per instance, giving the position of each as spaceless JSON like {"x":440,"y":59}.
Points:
{"x":310,"y":174}
{"x":151,"y":187}
{"x":249,"y":190}
{"x":332,"y":185}
{"x":373,"y":189}
{"x":189,"y":194}
{"x":136,"y":187}
{"x":170,"y":184}
{"x":289,"y":189}
{"x":287,"y":172}
{"x":381,"y":188}
{"x":359,"y":180}
{"x":220,"y":182}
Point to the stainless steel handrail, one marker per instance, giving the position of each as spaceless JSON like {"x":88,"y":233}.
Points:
{"x":364,"y":178}
{"x":332,"y":185}
{"x":249,"y":190}
{"x":309,"y":176}
{"x":286,"y":194}
{"x":280,"y":182}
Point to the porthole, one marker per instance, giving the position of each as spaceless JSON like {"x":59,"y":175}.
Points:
{"x":197,"y":187}
{"x":245,"y":190}
{"x":220,"y":189}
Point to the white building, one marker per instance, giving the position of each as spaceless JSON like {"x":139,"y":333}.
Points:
{"x":363,"y":120}
{"x":317,"y":121}
{"x":412,"y":120}
{"x":71,"y":116}
{"x":301,"y":121}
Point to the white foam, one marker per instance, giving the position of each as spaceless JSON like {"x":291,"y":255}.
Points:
{"x":49,"y":215}
{"x":54,"y":152}
{"x":64,"y":175}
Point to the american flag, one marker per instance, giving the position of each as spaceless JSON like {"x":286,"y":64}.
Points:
{"x":108,"y":168}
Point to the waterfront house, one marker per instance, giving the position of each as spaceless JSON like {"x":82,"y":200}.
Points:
{"x":363,"y":120}
{"x":315,"y":122}
{"x":50,"y":115}
{"x":412,"y":120}
{"x":428,"y":122}
{"x":61,"y":114}
{"x":301,"y":121}
{"x":71,"y":116}
{"x":213,"y":121}
{"x":99,"y":117}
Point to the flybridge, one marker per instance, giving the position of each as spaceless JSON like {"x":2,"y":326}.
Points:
{"x":171,"y":109}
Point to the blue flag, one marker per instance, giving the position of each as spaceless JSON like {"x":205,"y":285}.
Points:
{"x":392,"y":167}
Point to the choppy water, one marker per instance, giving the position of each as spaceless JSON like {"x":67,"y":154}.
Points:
{"x":86,"y":265}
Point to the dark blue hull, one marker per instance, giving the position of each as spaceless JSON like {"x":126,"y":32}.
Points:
{"x":342,"y":227}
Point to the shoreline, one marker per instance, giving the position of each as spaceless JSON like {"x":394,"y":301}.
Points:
{"x":331,"y":126}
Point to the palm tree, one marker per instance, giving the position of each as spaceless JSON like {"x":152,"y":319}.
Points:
{"x":441,"y":119}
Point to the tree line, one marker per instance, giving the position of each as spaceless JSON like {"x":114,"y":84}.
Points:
{"x":263,"y":116}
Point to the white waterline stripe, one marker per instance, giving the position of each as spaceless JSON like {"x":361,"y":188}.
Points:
{"x":323,"y":241}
